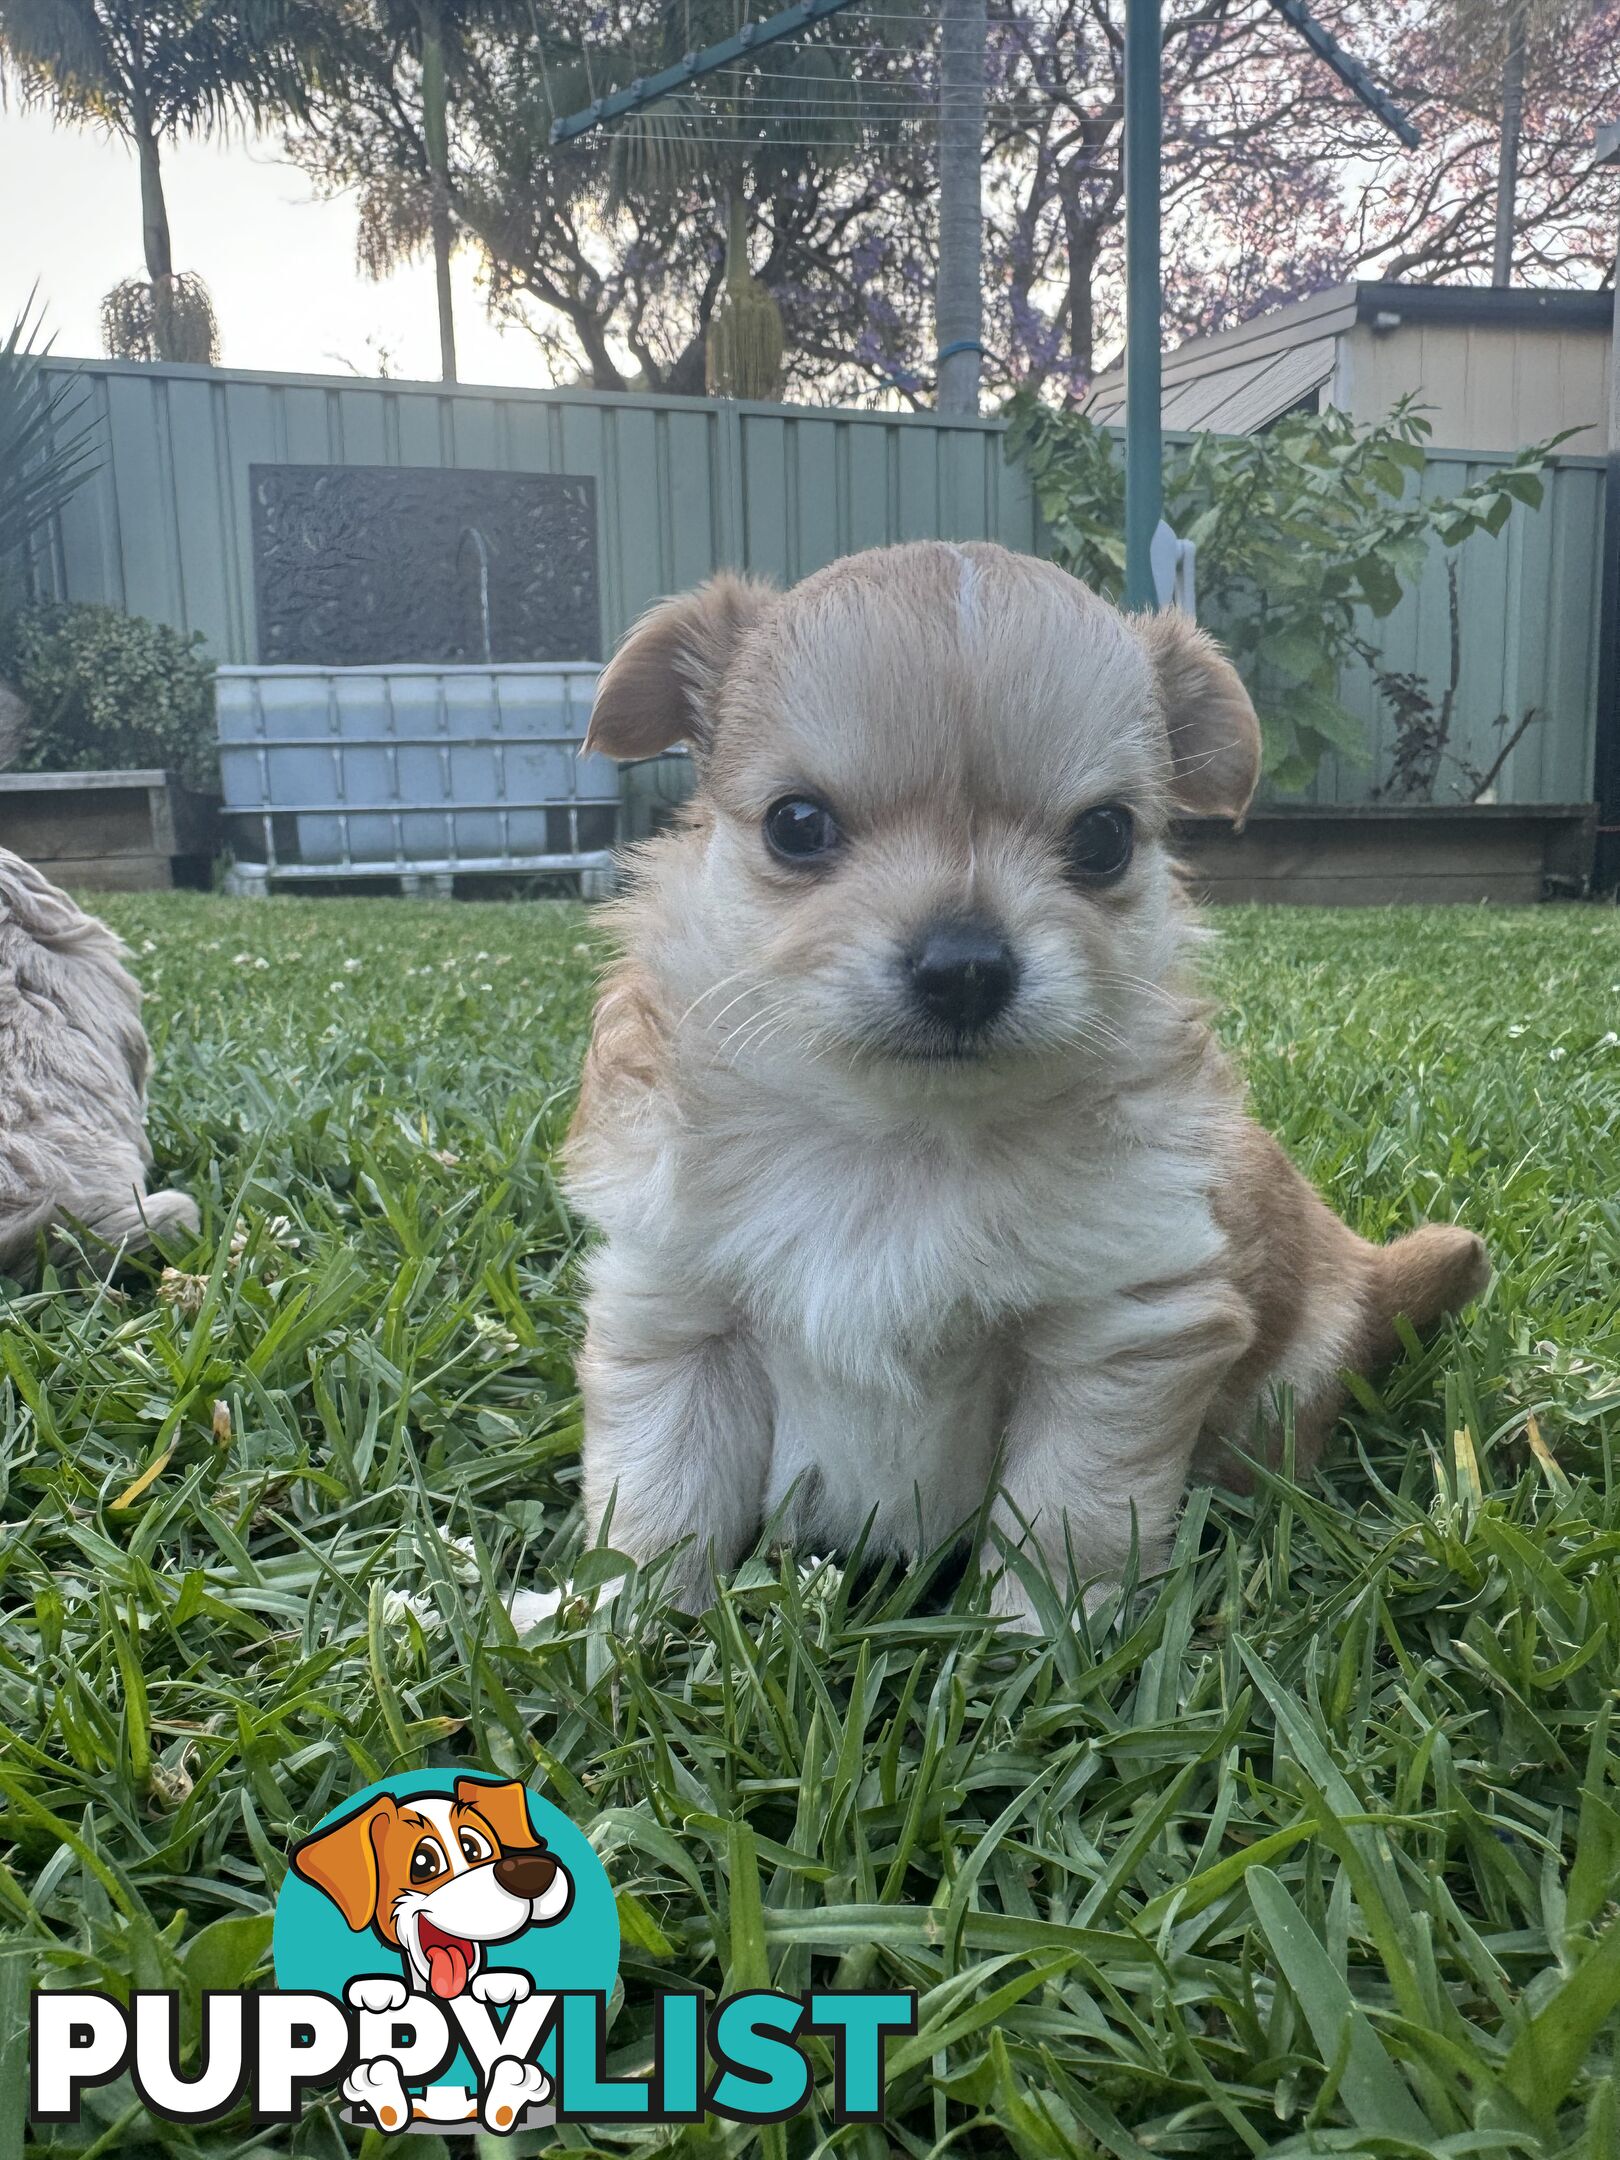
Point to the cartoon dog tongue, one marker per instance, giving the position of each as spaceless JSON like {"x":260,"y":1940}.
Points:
{"x":449,"y":1962}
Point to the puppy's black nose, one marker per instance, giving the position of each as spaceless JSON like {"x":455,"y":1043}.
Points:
{"x":962,"y":974}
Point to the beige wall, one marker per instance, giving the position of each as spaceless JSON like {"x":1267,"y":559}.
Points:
{"x":1488,"y":388}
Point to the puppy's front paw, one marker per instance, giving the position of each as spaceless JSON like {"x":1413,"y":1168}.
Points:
{"x":375,"y":1991}
{"x":502,"y":1984}
{"x":379,"y":2087}
{"x":513,"y":2086}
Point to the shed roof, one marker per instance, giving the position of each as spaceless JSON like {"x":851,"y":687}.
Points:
{"x":1236,"y":380}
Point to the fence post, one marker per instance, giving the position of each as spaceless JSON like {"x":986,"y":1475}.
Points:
{"x":732,"y":522}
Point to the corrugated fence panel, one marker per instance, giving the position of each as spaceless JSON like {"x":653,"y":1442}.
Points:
{"x":1527,"y":614}
{"x":686,"y":486}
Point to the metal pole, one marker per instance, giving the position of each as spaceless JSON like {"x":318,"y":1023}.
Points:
{"x":1606,"y":775}
{"x":1507,"y":157}
{"x":958,"y":290}
{"x":1348,"y":69}
{"x":1144,"y":472}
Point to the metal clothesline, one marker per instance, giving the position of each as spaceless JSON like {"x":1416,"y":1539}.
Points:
{"x":1147,"y":537}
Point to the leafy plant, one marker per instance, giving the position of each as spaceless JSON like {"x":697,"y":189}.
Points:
{"x":107,"y":690}
{"x":47,"y":449}
{"x":1302,"y":534}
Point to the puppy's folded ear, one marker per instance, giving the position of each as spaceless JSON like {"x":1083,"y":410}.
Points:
{"x":1214,"y":735}
{"x":504,"y":1807}
{"x":342,"y":1861}
{"x":659,"y":687}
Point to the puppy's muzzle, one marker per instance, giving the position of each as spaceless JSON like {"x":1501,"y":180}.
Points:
{"x":962,"y":976}
{"x":526,"y":1874}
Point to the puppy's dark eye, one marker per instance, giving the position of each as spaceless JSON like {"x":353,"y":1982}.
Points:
{"x":427,"y":1860}
{"x":1099,"y":845}
{"x":799,"y":829}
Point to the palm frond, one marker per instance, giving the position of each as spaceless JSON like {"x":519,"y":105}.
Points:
{"x":47,"y":446}
{"x":661,"y":148}
{"x":56,"y":53}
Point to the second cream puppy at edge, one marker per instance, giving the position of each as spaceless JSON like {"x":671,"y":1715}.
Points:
{"x":916,"y":1162}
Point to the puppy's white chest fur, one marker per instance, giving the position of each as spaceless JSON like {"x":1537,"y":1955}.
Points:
{"x":887,"y":1281}
{"x":914,"y":1463}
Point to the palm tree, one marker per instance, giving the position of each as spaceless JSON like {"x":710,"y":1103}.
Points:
{"x":798,"y":101}
{"x":151,"y":70}
{"x":384,"y":42}
{"x":436,"y":132}
{"x":443,"y":121}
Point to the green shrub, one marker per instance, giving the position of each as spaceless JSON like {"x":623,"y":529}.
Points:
{"x":1306,"y":535}
{"x":107,"y":690}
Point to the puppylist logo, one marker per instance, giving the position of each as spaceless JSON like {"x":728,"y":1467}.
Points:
{"x":445,"y":1948}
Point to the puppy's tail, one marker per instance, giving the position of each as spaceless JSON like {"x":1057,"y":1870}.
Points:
{"x":1421,"y":1277}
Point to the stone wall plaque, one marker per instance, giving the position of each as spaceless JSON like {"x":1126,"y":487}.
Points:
{"x":377,"y":565}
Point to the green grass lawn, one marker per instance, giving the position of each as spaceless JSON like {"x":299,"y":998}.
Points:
{"x":1315,"y":1853}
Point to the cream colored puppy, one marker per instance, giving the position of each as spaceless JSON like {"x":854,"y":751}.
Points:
{"x":917,"y":1167}
{"x":73,"y":1064}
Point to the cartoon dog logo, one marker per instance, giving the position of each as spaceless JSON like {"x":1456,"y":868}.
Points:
{"x":438,"y":1878}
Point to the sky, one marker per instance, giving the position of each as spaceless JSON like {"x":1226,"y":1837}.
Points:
{"x":279,"y":264}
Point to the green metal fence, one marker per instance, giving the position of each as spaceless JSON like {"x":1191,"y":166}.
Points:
{"x":687,"y":485}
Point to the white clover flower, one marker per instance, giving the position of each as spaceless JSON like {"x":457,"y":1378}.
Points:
{"x":497,"y":1339}
{"x":353,"y":967}
{"x":184,"y":1292}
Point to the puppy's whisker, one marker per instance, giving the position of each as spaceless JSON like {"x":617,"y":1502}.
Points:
{"x":747,"y":976}
{"x":742,"y":1038}
{"x":714,"y":1024}
{"x":1118,"y":979}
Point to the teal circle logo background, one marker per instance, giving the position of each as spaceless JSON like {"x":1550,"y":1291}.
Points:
{"x":314,"y":1947}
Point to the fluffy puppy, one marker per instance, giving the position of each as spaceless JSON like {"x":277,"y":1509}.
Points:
{"x":918,"y":1169}
{"x":73,"y":1063}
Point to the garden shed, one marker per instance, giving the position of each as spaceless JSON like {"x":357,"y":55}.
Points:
{"x":1496,"y":367}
